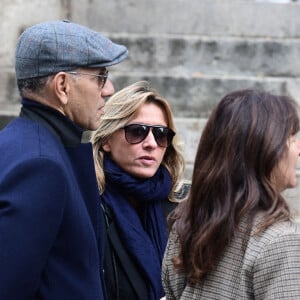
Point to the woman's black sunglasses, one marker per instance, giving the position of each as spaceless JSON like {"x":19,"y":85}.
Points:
{"x":136,"y":133}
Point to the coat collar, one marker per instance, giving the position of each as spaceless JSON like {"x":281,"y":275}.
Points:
{"x":63,"y":128}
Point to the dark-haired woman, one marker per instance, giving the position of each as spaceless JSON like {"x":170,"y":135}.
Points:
{"x":233,"y":237}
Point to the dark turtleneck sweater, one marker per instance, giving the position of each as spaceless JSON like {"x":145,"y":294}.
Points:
{"x":63,"y":128}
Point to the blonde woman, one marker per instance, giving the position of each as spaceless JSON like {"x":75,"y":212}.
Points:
{"x":138,"y":166}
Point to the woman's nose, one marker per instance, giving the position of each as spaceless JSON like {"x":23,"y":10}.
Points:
{"x":150,"y":140}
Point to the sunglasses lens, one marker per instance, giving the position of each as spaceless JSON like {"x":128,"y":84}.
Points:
{"x":163,"y":136}
{"x":135,"y":133}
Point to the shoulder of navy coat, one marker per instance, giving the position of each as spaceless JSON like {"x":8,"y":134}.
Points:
{"x":49,"y":225}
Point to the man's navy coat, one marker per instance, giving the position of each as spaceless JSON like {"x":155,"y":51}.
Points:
{"x":49,"y":220}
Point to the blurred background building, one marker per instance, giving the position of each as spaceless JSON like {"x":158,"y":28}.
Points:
{"x":192,"y":51}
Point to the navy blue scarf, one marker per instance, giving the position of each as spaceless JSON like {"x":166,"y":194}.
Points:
{"x":143,"y":236}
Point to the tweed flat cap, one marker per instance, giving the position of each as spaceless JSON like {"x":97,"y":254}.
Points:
{"x":50,"y":47}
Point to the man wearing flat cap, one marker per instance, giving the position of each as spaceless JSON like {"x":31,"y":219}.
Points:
{"x":50,"y":226}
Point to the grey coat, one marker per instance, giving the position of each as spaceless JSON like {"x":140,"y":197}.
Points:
{"x":264,"y":266}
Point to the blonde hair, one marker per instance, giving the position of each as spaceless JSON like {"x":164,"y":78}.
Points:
{"x":119,"y":109}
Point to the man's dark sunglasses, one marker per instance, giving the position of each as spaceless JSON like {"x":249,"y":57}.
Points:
{"x":136,"y":133}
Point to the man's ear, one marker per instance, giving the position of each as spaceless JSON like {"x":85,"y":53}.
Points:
{"x":61,"y":83}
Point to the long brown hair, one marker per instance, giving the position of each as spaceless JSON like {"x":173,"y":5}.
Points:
{"x":242,"y":143}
